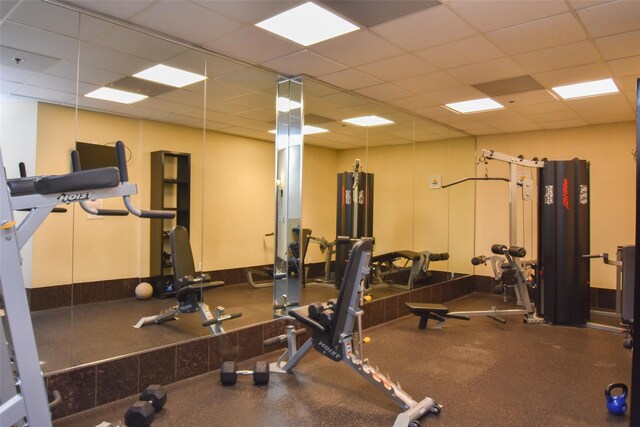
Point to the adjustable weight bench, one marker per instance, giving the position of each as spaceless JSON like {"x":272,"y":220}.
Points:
{"x":427,"y":311}
{"x":189,"y":287}
{"x":333,"y":332}
{"x":416,"y":263}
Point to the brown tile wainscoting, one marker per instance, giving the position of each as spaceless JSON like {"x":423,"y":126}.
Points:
{"x":88,"y":386}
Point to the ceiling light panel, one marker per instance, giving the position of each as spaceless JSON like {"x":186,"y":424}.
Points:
{"x":115,"y":95}
{"x":307,"y":24}
{"x":581,"y":90}
{"x":307,"y":130}
{"x":474,"y":106}
{"x":169,"y":76}
{"x":368,"y":121}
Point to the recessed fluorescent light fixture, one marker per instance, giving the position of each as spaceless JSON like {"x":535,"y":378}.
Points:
{"x":368,"y":121}
{"x":169,"y":76}
{"x":307,"y":24}
{"x":580,"y":90}
{"x":307,"y":130}
{"x":474,"y":105}
{"x":285,"y":104}
{"x":115,"y":95}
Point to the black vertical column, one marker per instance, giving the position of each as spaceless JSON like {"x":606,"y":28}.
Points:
{"x":635,"y":369}
{"x":564,"y":238}
{"x":348,"y":205}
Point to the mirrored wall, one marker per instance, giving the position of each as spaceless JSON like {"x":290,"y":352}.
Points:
{"x":205,"y":152}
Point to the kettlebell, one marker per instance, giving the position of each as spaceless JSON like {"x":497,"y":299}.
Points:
{"x":617,"y":404}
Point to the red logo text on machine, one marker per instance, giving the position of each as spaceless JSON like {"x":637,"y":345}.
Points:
{"x":565,"y":193}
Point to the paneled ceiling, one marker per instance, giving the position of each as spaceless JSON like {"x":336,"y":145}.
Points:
{"x":415,"y":55}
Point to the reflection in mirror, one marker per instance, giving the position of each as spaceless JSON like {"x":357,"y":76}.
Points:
{"x":290,"y":237}
{"x":40,"y":60}
{"x":222,"y":124}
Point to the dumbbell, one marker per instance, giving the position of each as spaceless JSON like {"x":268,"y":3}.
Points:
{"x":316,"y":308}
{"x":229,"y":373}
{"x":142,"y":412}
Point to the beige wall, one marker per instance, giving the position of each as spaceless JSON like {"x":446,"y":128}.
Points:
{"x":612,"y":175}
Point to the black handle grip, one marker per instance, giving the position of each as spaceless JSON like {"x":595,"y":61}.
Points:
{"x":596,"y":255}
{"x":498,"y":249}
{"x":282,"y":338}
{"x":23,"y":170}
{"x":439,"y":257}
{"x":517,"y":251}
{"x":112,"y":212}
{"x":121,"y":157}
{"x":221,"y":319}
{"x":477,"y":260}
{"x":75,"y":161}
{"x":157,"y":214}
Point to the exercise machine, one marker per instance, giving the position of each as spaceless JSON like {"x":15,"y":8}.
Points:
{"x":332,"y":335}
{"x":354,"y":217}
{"x":23,"y":395}
{"x":625,"y":264}
{"x":189,"y":287}
{"x":399,"y":264}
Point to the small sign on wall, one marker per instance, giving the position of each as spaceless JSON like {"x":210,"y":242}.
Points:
{"x":435,"y":181}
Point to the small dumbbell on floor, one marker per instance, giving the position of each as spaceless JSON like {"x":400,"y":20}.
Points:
{"x":142,"y":413}
{"x":229,"y":373}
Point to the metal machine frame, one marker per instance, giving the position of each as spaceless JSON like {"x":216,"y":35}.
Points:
{"x":337,"y":343}
{"x":23,"y":395}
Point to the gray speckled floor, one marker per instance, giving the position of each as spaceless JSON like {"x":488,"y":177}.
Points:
{"x":483,"y":372}
{"x":69,"y":337}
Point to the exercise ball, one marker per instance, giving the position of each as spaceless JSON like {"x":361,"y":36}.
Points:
{"x":144,"y":291}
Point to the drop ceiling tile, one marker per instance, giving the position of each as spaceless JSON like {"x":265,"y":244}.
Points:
{"x":398,"y":67}
{"x":581,"y":4}
{"x":631,"y":96}
{"x":109,"y":59}
{"x":627,"y":84}
{"x":554,"y":58}
{"x":520,"y":127}
{"x":139,"y":44}
{"x":563,"y":124}
{"x":356,"y":48}
{"x":383,"y":92}
{"x":525,"y":98}
{"x":581,"y":73}
{"x":122,"y":9}
{"x":487,"y":71}
{"x":611,"y":18}
{"x":33,"y":40}
{"x":483,"y":131}
{"x":6,"y":86}
{"x":60,"y":84}
{"x":304,"y":62}
{"x":438,"y":113}
{"x":625,"y":67}
{"x":604,"y":103}
{"x":350,"y":79}
{"x":248,"y":11}
{"x":428,"y":82}
{"x":47,"y":17}
{"x":256,"y":99}
{"x":196,"y":24}
{"x":413,"y":102}
{"x":619,"y":45}
{"x":6,"y":6}
{"x":540,"y":109}
{"x":460,"y":52}
{"x":553,"y":116}
{"x":17,"y":75}
{"x":431,"y":27}
{"x":253,"y":45}
{"x":369,"y":13}
{"x":91,"y":75}
{"x":184,"y":97}
{"x":46,"y":94}
{"x":461,"y":93}
{"x":163,"y":105}
{"x":489,"y":15}
{"x":25,"y":60}
{"x":92,"y":28}
{"x":540,"y":34}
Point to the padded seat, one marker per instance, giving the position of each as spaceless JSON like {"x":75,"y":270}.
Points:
{"x":91,"y":179}
{"x":433,"y":311}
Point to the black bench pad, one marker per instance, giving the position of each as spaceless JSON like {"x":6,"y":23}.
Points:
{"x":392,"y":256}
{"x":419,"y":308}
{"x":92,"y":179}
